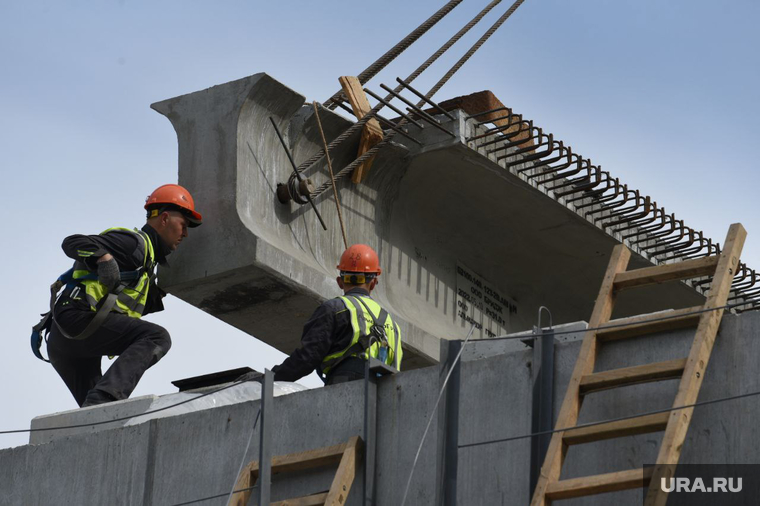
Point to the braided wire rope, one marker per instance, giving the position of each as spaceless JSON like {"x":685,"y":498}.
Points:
{"x":396,"y":50}
{"x":344,"y":172}
{"x":359,"y":124}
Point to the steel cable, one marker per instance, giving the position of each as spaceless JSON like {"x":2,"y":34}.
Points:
{"x":360,"y":123}
{"x":458,"y":65}
{"x":396,"y":50}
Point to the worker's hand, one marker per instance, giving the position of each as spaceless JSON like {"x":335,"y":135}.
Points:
{"x":108,"y":274}
{"x":251,"y":376}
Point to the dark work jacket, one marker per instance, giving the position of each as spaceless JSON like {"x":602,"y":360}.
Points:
{"x":326,"y":332}
{"x":120,"y":246}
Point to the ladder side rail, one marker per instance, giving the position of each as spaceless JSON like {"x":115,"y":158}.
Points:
{"x":584,"y":365}
{"x":696,"y":363}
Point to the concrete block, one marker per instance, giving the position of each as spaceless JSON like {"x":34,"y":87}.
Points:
{"x":84,"y":416}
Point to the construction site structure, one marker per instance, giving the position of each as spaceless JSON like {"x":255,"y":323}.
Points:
{"x":482,"y":221}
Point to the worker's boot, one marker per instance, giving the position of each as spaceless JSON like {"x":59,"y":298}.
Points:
{"x":95,"y":397}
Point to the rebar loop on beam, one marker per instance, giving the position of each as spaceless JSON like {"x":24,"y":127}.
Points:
{"x":591,"y":192}
{"x":396,"y":50}
{"x":359,"y":124}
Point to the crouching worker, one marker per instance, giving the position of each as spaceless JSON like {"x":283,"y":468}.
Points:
{"x":111,"y":286}
{"x":343,"y":331}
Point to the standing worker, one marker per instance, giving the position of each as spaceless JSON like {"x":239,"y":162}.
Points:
{"x":336,"y":338}
{"x":111,"y":286}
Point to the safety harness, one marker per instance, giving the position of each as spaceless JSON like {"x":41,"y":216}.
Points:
{"x":72,"y":284}
{"x":366,"y":340}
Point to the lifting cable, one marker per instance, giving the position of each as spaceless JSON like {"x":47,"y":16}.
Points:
{"x":396,"y":50}
{"x":346,"y":171}
{"x":360,"y":123}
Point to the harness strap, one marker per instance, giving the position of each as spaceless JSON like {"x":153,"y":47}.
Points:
{"x":364,"y":341}
{"x":96,"y":321}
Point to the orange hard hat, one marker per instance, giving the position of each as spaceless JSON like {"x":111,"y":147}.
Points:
{"x":360,"y":258}
{"x":175,"y":195}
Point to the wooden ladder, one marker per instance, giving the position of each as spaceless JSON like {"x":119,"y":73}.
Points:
{"x":346,"y":455}
{"x":691,"y":370}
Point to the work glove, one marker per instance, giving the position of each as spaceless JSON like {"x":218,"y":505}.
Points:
{"x":251,"y":376}
{"x":108,"y":274}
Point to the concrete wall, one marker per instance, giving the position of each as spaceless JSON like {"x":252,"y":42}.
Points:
{"x":170,"y":460}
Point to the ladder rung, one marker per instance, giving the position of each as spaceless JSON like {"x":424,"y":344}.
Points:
{"x":632,"y":375}
{"x":650,"y":323}
{"x":599,"y":484}
{"x":621,"y":428}
{"x":669,"y":272}
{"x":308,"y":500}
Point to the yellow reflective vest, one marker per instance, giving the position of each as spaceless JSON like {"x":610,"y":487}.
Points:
{"x":385,"y":339}
{"x":131,"y":300}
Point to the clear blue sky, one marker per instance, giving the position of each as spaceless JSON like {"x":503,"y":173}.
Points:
{"x":664,"y":95}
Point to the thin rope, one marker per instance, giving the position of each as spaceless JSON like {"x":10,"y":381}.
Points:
{"x":435,"y":407}
{"x":332,"y":177}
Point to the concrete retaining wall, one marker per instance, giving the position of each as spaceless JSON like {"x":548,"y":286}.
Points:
{"x":171,"y":460}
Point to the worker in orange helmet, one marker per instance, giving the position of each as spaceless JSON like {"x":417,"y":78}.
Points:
{"x":344,"y":331}
{"x":111,"y":285}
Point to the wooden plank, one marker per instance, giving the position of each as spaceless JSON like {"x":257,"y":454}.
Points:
{"x":584,"y":365}
{"x":344,"y":477}
{"x":309,"y":500}
{"x":696,"y":363}
{"x":599,"y":484}
{"x":372,"y":133}
{"x":669,"y":272}
{"x":299,"y":461}
{"x":292,"y":462}
{"x":246,"y":479}
{"x":646,"y":373}
{"x":611,"y":430}
{"x":634,"y":326}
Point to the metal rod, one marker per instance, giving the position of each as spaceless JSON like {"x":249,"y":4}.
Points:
{"x":265,"y":437}
{"x":492,"y":120}
{"x":396,"y":129}
{"x":295,"y":169}
{"x":471,"y":116}
{"x":425,"y":99}
{"x":422,"y":114}
{"x":542,"y":416}
{"x":393,"y":107}
{"x":451,"y":452}
{"x":332,"y":176}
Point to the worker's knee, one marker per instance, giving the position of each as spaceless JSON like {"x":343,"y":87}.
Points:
{"x":163,"y":341}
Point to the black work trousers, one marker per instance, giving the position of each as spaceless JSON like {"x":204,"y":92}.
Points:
{"x":351,"y":369}
{"x":139,"y":344}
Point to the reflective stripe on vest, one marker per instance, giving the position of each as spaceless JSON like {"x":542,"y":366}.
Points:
{"x":361,"y":324}
{"x":131,"y":300}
